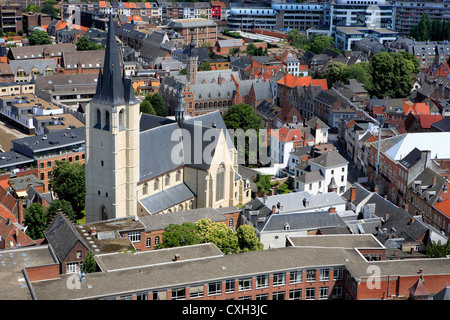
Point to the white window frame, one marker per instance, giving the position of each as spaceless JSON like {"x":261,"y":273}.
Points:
{"x":323,"y":293}
{"x":262,"y":284}
{"x":245,"y":284}
{"x":134,"y":236}
{"x":196,"y":292}
{"x":279,"y":279}
{"x":324,"y":274}
{"x":296,"y":276}
{"x":216,"y":290}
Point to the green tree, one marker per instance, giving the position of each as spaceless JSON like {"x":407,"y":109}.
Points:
{"x":176,"y":235}
{"x":219,"y":234}
{"x":320,"y":43}
{"x":51,"y":10}
{"x":436,"y":30}
{"x":438,"y":250}
{"x":333,"y":72}
{"x":146,"y":107}
{"x":35,"y":220}
{"x":68,"y":184}
{"x":413,"y":63}
{"x":298,"y":39}
{"x":205,"y":66}
{"x":241,"y":116}
{"x":33,"y":8}
{"x":62,"y":205}
{"x":263,"y":182}
{"x":89,"y":264}
{"x":360,"y":72}
{"x":183,"y":72}
{"x":39,"y":37}
{"x":85,"y":44}
{"x":157,"y":102}
{"x":247,"y":239}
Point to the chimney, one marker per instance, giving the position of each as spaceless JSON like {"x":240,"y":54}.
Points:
{"x":93,"y":231}
{"x":332,"y":210}
{"x":411,"y":221}
{"x":426,"y":158}
{"x":9,"y":221}
{"x":352,"y":193}
{"x":386,"y":216}
{"x":20,"y":215}
{"x":434,"y":181}
{"x":274,"y":209}
{"x":176,"y":258}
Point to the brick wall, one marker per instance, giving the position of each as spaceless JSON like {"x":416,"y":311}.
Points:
{"x":43,"y":272}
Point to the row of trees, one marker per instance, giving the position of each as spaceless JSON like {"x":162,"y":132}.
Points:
{"x":430,"y":29}
{"x":47,"y":8}
{"x":206,"y":231}
{"x":386,"y":74}
{"x":153,"y":104}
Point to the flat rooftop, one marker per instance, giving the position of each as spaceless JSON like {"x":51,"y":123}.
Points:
{"x":126,"y":260}
{"x":12,"y":262}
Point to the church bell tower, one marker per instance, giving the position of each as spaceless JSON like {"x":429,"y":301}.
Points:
{"x":112,"y":141}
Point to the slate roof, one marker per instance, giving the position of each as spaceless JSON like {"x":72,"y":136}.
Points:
{"x":62,"y":236}
{"x":167,"y":198}
{"x":28,"y":65}
{"x":411,"y":159}
{"x":329,"y":159}
{"x":303,"y":221}
{"x":442,"y":125}
{"x":425,"y":188}
{"x":311,"y":176}
{"x":316,"y":120}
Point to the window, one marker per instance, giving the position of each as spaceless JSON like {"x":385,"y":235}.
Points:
{"x":72,"y":267}
{"x":145,"y":188}
{"x":178,"y":176}
{"x":220,"y":182}
{"x":279,"y":279}
{"x":214,"y":288}
{"x":323,"y":293}
{"x":134,"y":236}
{"x":121,"y":120}
{"x":98,"y":121}
{"x":324,"y":274}
{"x":229,"y":286}
{"x":245,"y":284}
{"x":126,"y":297}
{"x":296,"y":276}
{"x":295,"y":294}
{"x":310,"y":275}
{"x":336,"y":293}
{"x":156,"y":240}
{"x":156,"y":184}
{"x":338,"y":274}
{"x":142,"y":296}
{"x":196,"y":292}
{"x":179,"y":293}
{"x":264,"y":296}
{"x":106,"y":127}
{"x":262,"y":281}
{"x":310,"y":293}
{"x":78,"y":254}
{"x":278,"y":295}
{"x":159,"y":295}
{"x":231,"y":223}
{"x":167,"y":180}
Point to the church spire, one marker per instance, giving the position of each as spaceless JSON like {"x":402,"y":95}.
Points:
{"x":111,"y":85}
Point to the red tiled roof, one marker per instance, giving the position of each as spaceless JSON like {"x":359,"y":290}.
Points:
{"x":416,"y":108}
{"x":6,"y":214}
{"x":444,"y":207}
{"x":285,"y":134}
{"x":102,"y":4}
{"x":426,"y":120}
{"x":378,"y":110}
{"x":293,"y":81}
{"x":13,"y":239}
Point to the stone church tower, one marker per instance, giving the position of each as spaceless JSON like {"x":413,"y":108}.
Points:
{"x":192,"y":63}
{"x":112,"y":141}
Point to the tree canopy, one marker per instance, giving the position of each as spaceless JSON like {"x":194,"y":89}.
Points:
{"x":241,"y":116}
{"x":35,"y":220}
{"x":438,"y":250}
{"x":320,"y":43}
{"x":84,"y":44}
{"x":146,"y":107}
{"x":39,"y":37}
{"x":68,"y":183}
{"x":206,"y":231}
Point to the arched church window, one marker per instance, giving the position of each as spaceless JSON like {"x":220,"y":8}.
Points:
{"x":98,"y":119}
{"x":107,"y":121}
{"x":178,"y":176}
{"x":167,"y":180}
{"x":121,"y":120}
{"x":156,"y":185}
{"x":220,"y":182}
{"x":145,"y":188}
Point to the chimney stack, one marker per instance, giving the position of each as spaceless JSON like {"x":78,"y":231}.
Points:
{"x":434,"y":181}
{"x":274,"y":209}
{"x":352,"y":193}
{"x":332,"y":210}
{"x":386,"y":216}
{"x":176,"y":258}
